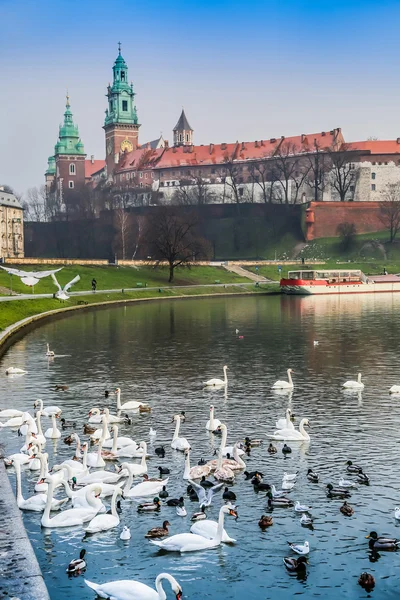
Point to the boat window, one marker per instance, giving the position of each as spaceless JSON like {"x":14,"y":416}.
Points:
{"x":294,"y":275}
{"x":307,"y":274}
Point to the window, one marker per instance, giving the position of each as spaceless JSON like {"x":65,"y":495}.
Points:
{"x":122,"y":75}
{"x":180,"y":137}
{"x":241,"y":190}
{"x":141,"y":184}
{"x":373,"y":187}
{"x":386,"y":163}
{"x":71,"y":185}
{"x":352,"y":188}
{"x":152,"y":175}
{"x":125,"y":105}
{"x":141,"y":175}
{"x":127,"y":176}
{"x":72,"y":169}
{"x":187,"y":137}
{"x":145,"y":175}
{"x":374,"y":163}
{"x":373,"y":175}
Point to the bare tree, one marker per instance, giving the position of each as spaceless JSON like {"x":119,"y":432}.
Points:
{"x":343,"y":173}
{"x":346,"y":232}
{"x":319,"y":165}
{"x":390,"y":209}
{"x":140,"y":228}
{"x":265,"y":175}
{"x":173,"y":236}
{"x":233,"y":179}
{"x":122,"y":225}
{"x":35,"y":204}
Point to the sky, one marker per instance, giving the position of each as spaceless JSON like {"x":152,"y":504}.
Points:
{"x":242,"y":71}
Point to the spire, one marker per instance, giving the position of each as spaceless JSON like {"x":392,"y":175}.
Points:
{"x":69,"y":141}
{"x":119,"y":48}
{"x":121,"y":96}
{"x":183,"y":133}
{"x":183,"y":123}
{"x":67,"y":104}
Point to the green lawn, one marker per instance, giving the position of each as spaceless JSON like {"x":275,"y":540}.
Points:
{"x":15,"y":310}
{"x":111,"y":277}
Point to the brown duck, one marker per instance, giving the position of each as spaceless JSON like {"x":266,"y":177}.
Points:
{"x":158,"y":532}
{"x":347,"y":510}
{"x":265,"y":522}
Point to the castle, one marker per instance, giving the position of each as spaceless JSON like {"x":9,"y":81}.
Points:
{"x":288,"y":170}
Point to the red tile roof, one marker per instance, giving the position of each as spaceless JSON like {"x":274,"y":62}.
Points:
{"x":377,"y":146}
{"x":93,"y":167}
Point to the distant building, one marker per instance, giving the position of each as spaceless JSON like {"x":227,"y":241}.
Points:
{"x":11,"y":226}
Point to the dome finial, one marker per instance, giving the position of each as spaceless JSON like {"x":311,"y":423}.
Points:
{"x":119,"y":48}
{"x":67,"y":105}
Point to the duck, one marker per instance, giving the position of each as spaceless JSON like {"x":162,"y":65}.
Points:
{"x":272,"y":449}
{"x":163,"y":493}
{"x":306,"y":520}
{"x":202,"y":462}
{"x":67,"y":424}
{"x":300,"y":548}
{"x":163,"y":471}
{"x":295,"y":565}
{"x":313,"y":477}
{"x":135,"y":590}
{"x":259,"y":485}
{"x":281,"y":502}
{"x":160,"y":451}
{"x":381,"y":543}
{"x":175,"y":501}
{"x":89,"y":429}
{"x":265,"y":522}
{"x":351,"y":468}
{"x":158,"y":532}
{"x":78,"y":565}
{"x":61,"y":388}
{"x":125,"y":534}
{"x":228,"y":494}
{"x":178,"y":443}
{"x":199,"y":516}
{"x":181,"y":510}
{"x":252,"y":442}
{"x":144,"y":408}
{"x":49,"y":352}
{"x":301,"y":508}
{"x":347,"y":510}
{"x":206,"y":483}
{"x":150,"y":506}
{"x":217,"y":382}
{"x":105,"y":522}
{"x":251,"y":474}
{"x":354,"y":385}
{"x":284,"y":385}
{"x":286,"y":449}
{"x":362,"y":478}
{"x":337,"y":492}
{"x":367,"y":582}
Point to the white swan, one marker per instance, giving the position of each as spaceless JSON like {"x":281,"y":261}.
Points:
{"x":218,"y":463}
{"x":141,"y":468}
{"x":284,"y":385}
{"x":53,"y":433}
{"x":126,"y":589}
{"x":293,"y":435}
{"x":15,"y":371}
{"x":72,"y":516}
{"x":13,"y":421}
{"x":40,"y":485}
{"x":49,"y":352}
{"x":39,"y":435}
{"x":78,"y":496}
{"x":132,"y":451}
{"x":36,"y":448}
{"x":9,"y":413}
{"x":179,"y":443}
{"x":208,"y":529}
{"x":28,"y":421}
{"x":216,"y":381}
{"x":212,"y":423}
{"x":105,"y":522}
{"x":196,"y":472}
{"x":95,"y":459}
{"x":118,"y":442}
{"x":285,"y":423}
{"x":95,"y":416}
{"x":190,"y":542}
{"x":146,"y":488}
{"x":395,"y":389}
{"x":38,"y":501}
{"x":354,"y":385}
{"x":101,"y":432}
{"x":131,"y":405}
{"x":47,"y":412}
{"x":100,"y":477}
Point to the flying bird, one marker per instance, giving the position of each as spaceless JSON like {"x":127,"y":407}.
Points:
{"x":30,"y":278}
{"x":62,"y":291}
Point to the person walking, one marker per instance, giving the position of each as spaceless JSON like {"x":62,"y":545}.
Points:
{"x":94,"y":284}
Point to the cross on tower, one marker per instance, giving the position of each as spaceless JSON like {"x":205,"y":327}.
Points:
{"x":119,"y":47}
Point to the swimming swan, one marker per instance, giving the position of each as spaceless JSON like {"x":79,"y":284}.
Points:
{"x":212,"y":423}
{"x":178,"y":443}
{"x":284,"y":385}
{"x":131,"y":405}
{"x":293,"y":435}
{"x":285,"y":423}
{"x":196,"y":472}
{"x":72,"y":516}
{"x":105,"y":522}
{"x":126,"y":589}
{"x":216,"y":381}
{"x":354,"y":385}
{"x":38,"y":501}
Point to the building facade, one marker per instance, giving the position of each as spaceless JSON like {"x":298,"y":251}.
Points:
{"x":11,"y":226}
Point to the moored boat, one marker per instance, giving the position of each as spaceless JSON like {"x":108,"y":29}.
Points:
{"x":353,"y":281}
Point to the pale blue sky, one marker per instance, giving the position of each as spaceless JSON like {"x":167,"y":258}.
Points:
{"x":243,"y":71}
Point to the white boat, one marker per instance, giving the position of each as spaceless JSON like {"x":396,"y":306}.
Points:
{"x":311,"y":282}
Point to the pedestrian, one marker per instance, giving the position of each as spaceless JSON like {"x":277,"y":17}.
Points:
{"x":94,"y":284}
{"x":385,"y":271}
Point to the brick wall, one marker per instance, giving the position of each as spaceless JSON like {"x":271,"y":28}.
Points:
{"x":322,"y":218}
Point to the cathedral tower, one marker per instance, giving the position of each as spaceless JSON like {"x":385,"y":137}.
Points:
{"x":183,"y":133}
{"x":121,"y":122}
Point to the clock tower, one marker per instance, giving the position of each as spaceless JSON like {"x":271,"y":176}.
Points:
{"x":121,"y":122}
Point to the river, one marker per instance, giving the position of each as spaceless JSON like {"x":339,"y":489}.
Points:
{"x":160,"y":353}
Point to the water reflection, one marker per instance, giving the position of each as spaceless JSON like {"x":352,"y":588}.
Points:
{"x":161,"y":354}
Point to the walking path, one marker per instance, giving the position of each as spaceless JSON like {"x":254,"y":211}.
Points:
{"x":20,"y":574}
{"x":245,"y":273}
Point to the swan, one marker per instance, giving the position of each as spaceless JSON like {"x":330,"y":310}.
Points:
{"x":208,"y":529}
{"x":196,"y":472}
{"x":118,"y":442}
{"x":78,"y":496}
{"x":354,"y":385}
{"x":95,"y":459}
{"x":223,"y":472}
{"x":15,"y":371}
{"x":28,"y":421}
{"x":219,"y":463}
{"x":132,"y":451}
{"x":100,"y":477}
{"x":395,"y":389}
{"x":13,"y":421}
{"x":38,"y":501}
{"x":29,"y":438}
{"x":131,"y":405}
{"x":39,"y":436}
{"x":9,"y":413}
{"x":191,"y":542}
{"x":40,"y":485}
{"x":216,"y":381}
{"x":61,"y":293}
{"x":212,"y":424}
{"x":179,"y":443}
{"x":72,"y":516}
{"x":146,"y":488}
{"x":47,"y":412}
{"x":285,"y":423}
{"x":95,"y":416}
{"x":293,"y":435}
{"x":53,"y":433}
{"x":105,"y":522}
{"x":284,"y":385}
{"x":141,"y":468}
{"x":126,"y":589}
{"x":21,"y":457}
{"x":101,"y":432}
{"x":205,"y":496}
{"x":34,"y":463}
{"x":49,"y":352}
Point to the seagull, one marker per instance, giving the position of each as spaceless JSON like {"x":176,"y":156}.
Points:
{"x":316,"y":342}
{"x":305,"y":520}
{"x":62,"y":291}
{"x":205,"y":497}
{"x":301,"y":508}
{"x":30,"y":278}
{"x":300,"y":548}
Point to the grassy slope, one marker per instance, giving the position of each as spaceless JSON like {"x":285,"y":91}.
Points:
{"x":110,"y":277}
{"x":11,"y":312}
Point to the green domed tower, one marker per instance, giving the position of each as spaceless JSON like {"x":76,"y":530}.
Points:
{"x":121,"y":121}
